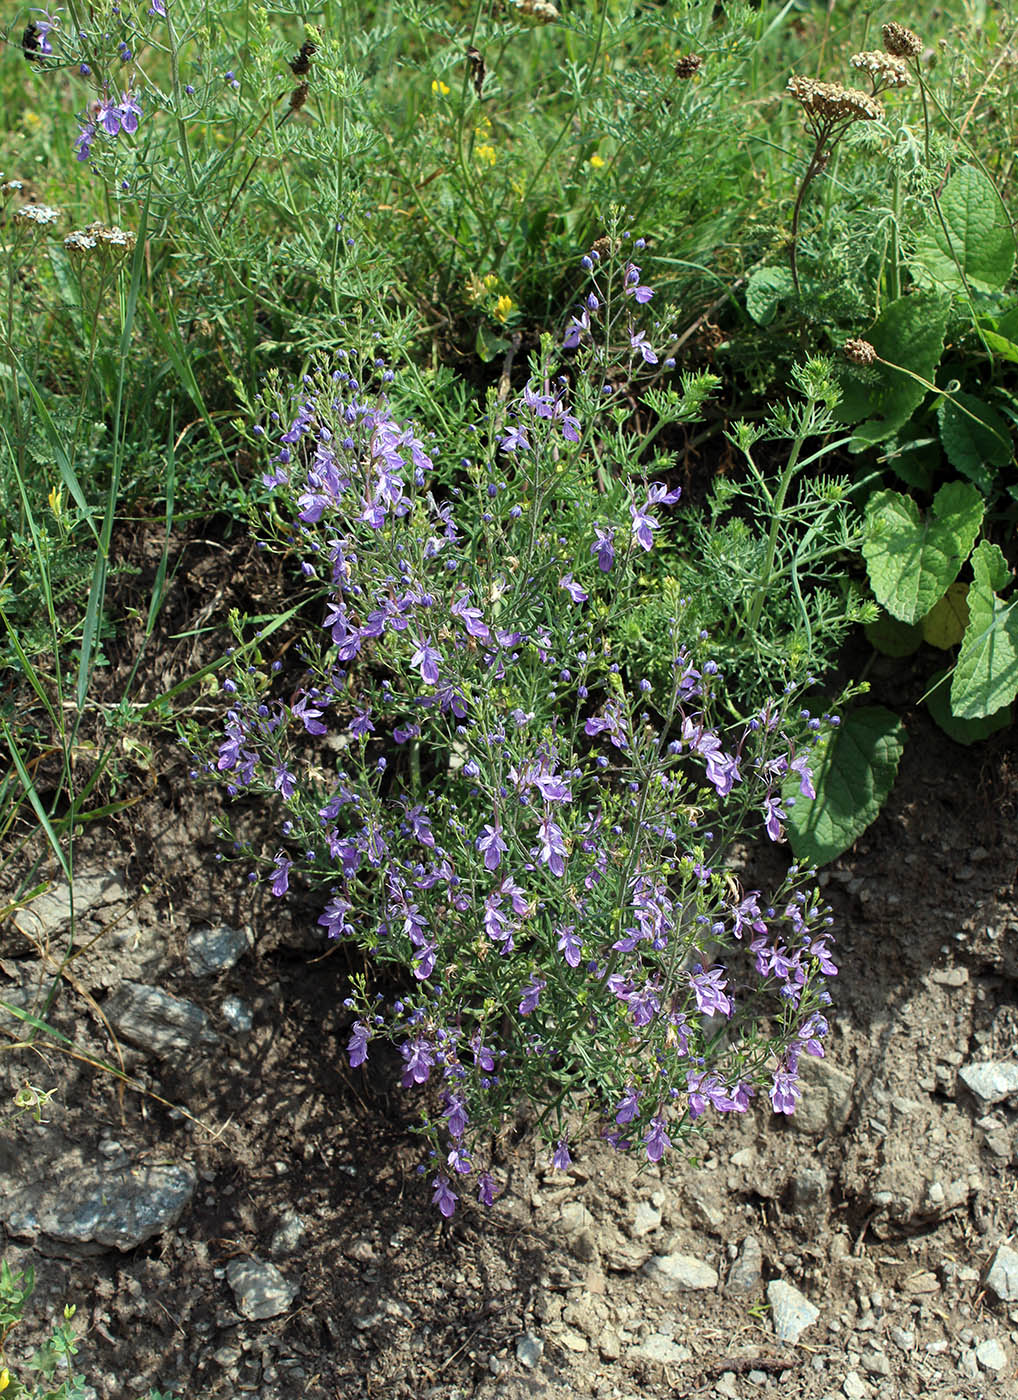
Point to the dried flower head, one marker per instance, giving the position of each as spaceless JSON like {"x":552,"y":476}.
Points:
{"x":883,"y":68}
{"x":603,"y":247}
{"x":37,"y":214}
{"x":901,"y":42}
{"x":79,"y":241}
{"x":11,"y":187}
{"x":687,"y":65}
{"x":859,"y":352}
{"x":538,"y":10}
{"x":298,"y":97}
{"x":831,"y":102}
{"x":111,"y":234}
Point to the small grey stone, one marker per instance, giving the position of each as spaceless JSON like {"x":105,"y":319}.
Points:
{"x":609,"y":1344}
{"x":156,"y":1021}
{"x":875,"y":1363}
{"x":727,"y":1385}
{"x":260,"y":1289}
{"x":904,"y":1340}
{"x":211,"y":950}
{"x":827,"y":1097}
{"x":747,"y":1271}
{"x":854,"y":1387}
{"x":660,"y":1348}
{"x":101,"y":1204}
{"x":991,"y":1080}
{"x":809,"y":1194}
{"x":991,"y":1355}
{"x":289,"y":1234}
{"x":675,"y":1271}
{"x":529,"y":1350}
{"x":237,"y":1015}
{"x":791,"y":1311}
{"x":968,"y":1365}
{"x":645,"y":1220}
{"x":49,"y":912}
{"x":1003,"y":1275}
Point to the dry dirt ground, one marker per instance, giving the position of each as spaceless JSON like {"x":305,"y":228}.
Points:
{"x":884,"y":1202}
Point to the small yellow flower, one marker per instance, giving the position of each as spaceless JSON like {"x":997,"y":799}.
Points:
{"x":5,"y":1379}
{"x":31,"y":121}
{"x":597,"y":162}
{"x":56,"y":501}
{"x":486,"y":154}
{"x":440,"y":89}
{"x":491,"y":281}
{"x":502,"y":308}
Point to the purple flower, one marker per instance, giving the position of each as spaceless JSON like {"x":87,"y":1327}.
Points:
{"x":427,"y":659}
{"x":574,"y":590}
{"x":639,"y":342}
{"x":308,"y":715}
{"x":459,"y":1161}
{"x":472,"y":618}
{"x":561,"y":1159}
{"x":334,"y":919}
{"x":569,"y":945}
{"x":628,"y":1108}
{"x":158,"y":7}
{"x":515,"y":437}
{"x":531,"y":995}
{"x":785,"y":1092}
{"x":419,"y":1056}
{"x":710,"y":991}
{"x":281,"y":875}
{"x":801,"y":766}
{"x":129,"y":112}
{"x":107,"y":115}
{"x":773,"y":817}
{"x":420,"y":825}
{"x":43,"y":26}
{"x":643,"y":527}
{"x":491,"y":843}
{"x":83,"y":145}
{"x":445,"y":1198}
{"x":633,"y":288}
{"x":456,"y":1114}
{"x":283,"y":781}
{"x":553,"y":847}
{"x":602,"y":548}
{"x":578,"y":327}
{"x":656,"y":1139}
{"x":486,"y":1189}
{"x":357,"y":1047}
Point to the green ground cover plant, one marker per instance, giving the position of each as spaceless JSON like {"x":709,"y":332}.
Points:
{"x":650,"y":247}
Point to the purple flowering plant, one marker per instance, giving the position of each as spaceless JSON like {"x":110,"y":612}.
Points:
{"x":528,"y":843}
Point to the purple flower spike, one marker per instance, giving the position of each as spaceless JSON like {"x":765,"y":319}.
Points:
{"x":357,"y":1047}
{"x":531,"y":995}
{"x":602,"y":548}
{"x":494,"y":848}
{"x":785,"y":1092}
{"x":561,"y":1159}
{"x":281,"y":875}
{"x":656,"y":1140}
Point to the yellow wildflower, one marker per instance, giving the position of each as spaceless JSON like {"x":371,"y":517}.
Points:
{"x":440,"y":89}
{"x":486,"y":154}
{"x":597,"y":162}
{"x":56,"y":501}
{"x":491,"y":281}
{"x":5,"y":1379}
{"x":502,"y":308}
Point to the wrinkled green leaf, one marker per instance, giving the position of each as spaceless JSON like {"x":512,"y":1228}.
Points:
{"x":962,"y":731}
{"x":852,"y":779}
{"x":908,"y":333}
{"x":975,"y":243}
{"x":911,"y":559}
{"x":944,"y":625}
{"x":976,"y":440}
{"x":765,"y":291}
{"x":986,"y":676}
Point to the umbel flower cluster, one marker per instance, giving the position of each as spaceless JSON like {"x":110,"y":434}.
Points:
{"x":526,"y":839}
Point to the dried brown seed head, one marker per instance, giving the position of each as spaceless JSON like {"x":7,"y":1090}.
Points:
{"x":883,"y":68}
{"x":832,"y":102}
{"x":859,"y":352}
{"x":901,"y":42}
{"x":687,"y":65}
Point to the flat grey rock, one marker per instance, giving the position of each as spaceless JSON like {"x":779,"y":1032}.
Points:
{"x":827,"y":1097}
{"x":1003,"y":1275}
{"x":111,"y":1206}
{"x":681,"y":1271}
{"x":991,"y":1355}
{"x":791,"y":1311}
{"x":991,"y":1080}
{"x":156,"y":1021}
{"x":49,"y":913}
{"x":747,"y":1271}
{"x":260,"y":1289}
{"x":661,"y":1348}
{"x":212,"y":950}
{"x":237,"y":1015}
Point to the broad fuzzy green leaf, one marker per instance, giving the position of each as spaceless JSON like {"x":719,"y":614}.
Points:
{"x":986,"y":676}
{"x":765,"y":290}
{"x":975,"y":438}
{"x":908,"y":333}
{"x":962,"y":731}
{"x":893,"y":638}
{"x":911,"y":559}
{"x":974,"y":244}
{"x":855,"y":774}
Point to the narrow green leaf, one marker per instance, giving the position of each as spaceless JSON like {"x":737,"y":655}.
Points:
{"x":856,"y":772}
{"x":911,"y":559}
